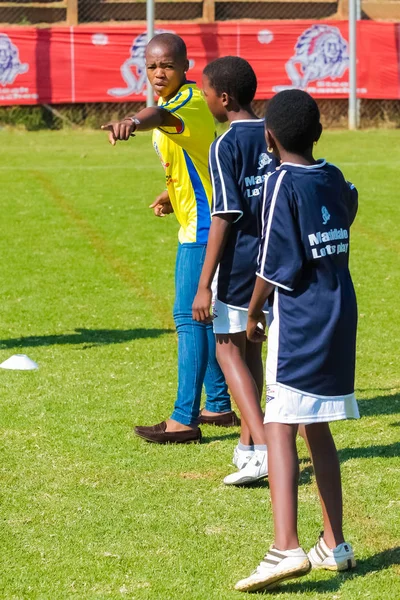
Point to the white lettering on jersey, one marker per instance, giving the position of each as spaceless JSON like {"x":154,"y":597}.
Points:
{"x":327,"y":236}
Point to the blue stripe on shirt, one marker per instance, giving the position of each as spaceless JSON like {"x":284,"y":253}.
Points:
{"x":172,"y":110}
{"x":203,"y":208}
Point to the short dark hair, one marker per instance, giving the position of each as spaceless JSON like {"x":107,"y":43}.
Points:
{"x":171,"y":41}
{"x":293,"y":117}
{"x":234,"y":76}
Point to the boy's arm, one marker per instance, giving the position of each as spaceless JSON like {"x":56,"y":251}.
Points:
{"x":281,"y":253}
{"x":262,"y":290}
{"x":353,"y":201}
{"x":144,"y":120}
{"x":162,"y":205}
{"x":226,"y":206}
{"x":219,"y":232}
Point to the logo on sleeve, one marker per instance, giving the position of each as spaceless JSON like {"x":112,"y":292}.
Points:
{"x":263,"y":161}
{"x":325,"y":215}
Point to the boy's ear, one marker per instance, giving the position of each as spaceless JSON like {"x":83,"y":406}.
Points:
{"x":270,"y":141}
{"x":186,"y":67}
{"x":319,"y":132}
{"x":225,"y":99}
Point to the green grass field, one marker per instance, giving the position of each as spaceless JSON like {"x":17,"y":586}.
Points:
{"x":88,"y":510}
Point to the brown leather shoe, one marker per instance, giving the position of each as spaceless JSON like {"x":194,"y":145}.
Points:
{"x":158,"y":435}
{"x":227,"y":419}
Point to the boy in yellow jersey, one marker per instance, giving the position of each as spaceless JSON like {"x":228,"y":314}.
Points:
{"x":183,"y":130}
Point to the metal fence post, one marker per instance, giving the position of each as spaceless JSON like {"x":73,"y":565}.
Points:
{"x":353,"y":121}
{"x":150,"y":35}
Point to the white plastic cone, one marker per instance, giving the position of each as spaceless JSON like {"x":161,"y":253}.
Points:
{"x":19,"y":362}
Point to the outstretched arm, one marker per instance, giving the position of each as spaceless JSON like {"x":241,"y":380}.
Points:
{"x":145,"y":120}
{"x":219,"y":231}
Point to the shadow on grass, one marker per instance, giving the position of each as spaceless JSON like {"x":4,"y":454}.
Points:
{"x":261,"y":483}
{"x":381,"y":405}
{"x":381,"y":451}
{"x":207,"y":439}
{"x":90,"y":337}
{"x":377,"y":562}
{"x":306,"y":474}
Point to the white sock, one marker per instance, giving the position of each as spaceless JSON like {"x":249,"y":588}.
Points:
{"x":245,"y":448}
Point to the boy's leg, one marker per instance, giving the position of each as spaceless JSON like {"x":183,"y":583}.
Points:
{"x":322,"y":449}
{"x":254,"y":362}
{"x":192,"y":338}
{"x":192,"y":353}
{"x":231,"y":355}
{"x":285,"y":559}
{"x":283,"y":476}
{"x":253,"y":359}
{"x":217,"y":397}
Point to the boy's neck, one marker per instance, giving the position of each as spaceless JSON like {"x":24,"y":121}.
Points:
{"x":173,"y":94}
{"x":242,"y":113}
{"x":298,"y":159}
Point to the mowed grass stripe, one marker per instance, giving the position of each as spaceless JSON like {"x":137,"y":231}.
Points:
{"x":372,"y":163}
{"x":121,"y":268}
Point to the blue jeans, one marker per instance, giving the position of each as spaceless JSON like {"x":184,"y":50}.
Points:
{"x":197,"y":363}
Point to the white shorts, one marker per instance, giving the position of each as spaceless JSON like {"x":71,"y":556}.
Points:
{"x":227,"y":319}
{"x":287,"y":405}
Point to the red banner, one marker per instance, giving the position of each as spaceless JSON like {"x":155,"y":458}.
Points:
{"x":106,"y":63}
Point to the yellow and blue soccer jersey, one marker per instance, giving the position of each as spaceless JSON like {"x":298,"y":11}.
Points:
{"x":184,"y":155}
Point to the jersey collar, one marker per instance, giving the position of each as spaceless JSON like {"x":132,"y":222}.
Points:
{"x":321,"y":162}
{"x":183,"y":88}
{"x":252,"y":121}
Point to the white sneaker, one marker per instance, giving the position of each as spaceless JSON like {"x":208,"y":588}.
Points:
{"x":255,"y":469}
{"x":241,"y":457}
{"x":340,"y":558}
{"x":277,"y":566}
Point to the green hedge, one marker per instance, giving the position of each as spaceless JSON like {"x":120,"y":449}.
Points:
{"x":93,"y":115}
{"x":373,"y":113}
{"x":31,"y":117}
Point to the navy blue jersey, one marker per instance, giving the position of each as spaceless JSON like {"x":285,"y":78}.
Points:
{"x":239,"y":165}
{"x":307,"y":213}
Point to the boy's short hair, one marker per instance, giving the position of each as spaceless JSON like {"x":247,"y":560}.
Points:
{"x":293,"y":117}
{"x":171,"y":41}
{"x":234,"y":76}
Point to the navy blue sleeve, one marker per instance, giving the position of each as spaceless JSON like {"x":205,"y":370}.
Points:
{"x":227,"y":197}
{"x":352,"y":201}
{"x":281,"y":254}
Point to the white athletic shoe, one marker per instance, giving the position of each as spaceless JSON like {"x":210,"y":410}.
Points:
{"x":255,"y":469}
{"x":277,"y":566}
{"x":340,"y":558}
{"x":241,"y":457}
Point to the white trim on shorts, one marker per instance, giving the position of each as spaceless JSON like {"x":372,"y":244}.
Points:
{"x":228,"y":319}
{"x":288,"y":405}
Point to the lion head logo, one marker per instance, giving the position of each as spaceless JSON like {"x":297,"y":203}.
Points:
{"x":10,"y":65}
{"x":325,"y":215}
{"x":263,"y":161}
{"x":133,"y":70}
{"x":321,"y":52}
